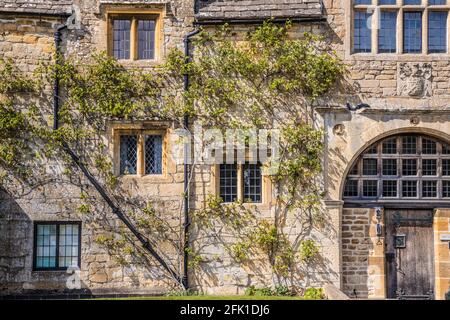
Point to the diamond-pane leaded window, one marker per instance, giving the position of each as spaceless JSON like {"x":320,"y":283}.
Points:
{"x":252,"y":182}
{"x":228,"y":182}
{"x":405,"y":166}
{"x":153,"y":154}
{"x":57,"y":245}
{"x":128,"y":154}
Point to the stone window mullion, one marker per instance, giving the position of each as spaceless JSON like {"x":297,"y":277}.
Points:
{"x":140,"y":155}
{"x":400,"y":31}
{"x":240,"y":182}
{"x":375,"y":23}
{"x":425,"y":31}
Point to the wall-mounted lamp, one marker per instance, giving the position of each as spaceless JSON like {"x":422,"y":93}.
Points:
{"x":378,"y":212}
{"x":379,"y":230}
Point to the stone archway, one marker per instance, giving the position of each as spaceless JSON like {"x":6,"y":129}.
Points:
{"x":406,"y":170}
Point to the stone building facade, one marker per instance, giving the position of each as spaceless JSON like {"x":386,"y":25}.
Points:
{"x":392,"y":91}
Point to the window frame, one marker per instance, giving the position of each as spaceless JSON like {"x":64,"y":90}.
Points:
{"x":57,"y":224}
{"x":141,"y":134}
{"x":399,"y":8}
{"x":134,"y":16}
{"x":420,"y":156}
{"x":265,"y":183}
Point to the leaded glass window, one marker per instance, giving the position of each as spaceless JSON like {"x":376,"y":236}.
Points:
{"x":228,"y":182}
{"x":252,"y":182}
{"x":406,"y":166}
{"x":133,"y":37}
{"x":128,"y":154}
{"x":153,"y":154}
{"x":411,"y":20}
{"x":56,"y":245}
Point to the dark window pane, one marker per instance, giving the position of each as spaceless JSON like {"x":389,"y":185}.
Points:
{"x":445,"y":149}
{"x":446,"y":167}
{"x":146,"y":38}
{"x":354,"y":170}
{"x":412,"y":2}
{"x":228,"y":182}
{"x":389,"y":188}
{"x":128,"y":154}
{"x":387,"y":34}
{"x":429,"y":189}
{"x":153,"y":154}
{"x":370,"y":167}
{"x":428,"y":146}
{"x":409,"y":189}
{"x":389,"y":167}
{"x":362,"y":41}
{"x":372,"y":150}
{"x":363,"y":1}
{"x":383,"y":2}
{"x":390,"y":146}
{"x":252,"y":183}
{"x":409,"y":145}
{"x":370,"y":188}
{"x":351,"y":188}
{"x":412,"y":32}
{"x":409,"y":167}
{"x":436,"y":2}
{"x":446,"y":189}
{"x":121,"y":39}
{"x":437,"y":32}
{"x":429,"y":167}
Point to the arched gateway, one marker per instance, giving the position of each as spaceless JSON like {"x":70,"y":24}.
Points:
{"x":392,"y":196}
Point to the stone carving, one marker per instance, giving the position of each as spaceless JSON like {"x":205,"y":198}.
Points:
{"x":414,"y":79}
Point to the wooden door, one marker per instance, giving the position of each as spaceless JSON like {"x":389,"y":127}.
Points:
{"x":409,"y":254}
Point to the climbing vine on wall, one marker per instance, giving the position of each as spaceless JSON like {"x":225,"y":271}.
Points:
{"x":268,"y":79}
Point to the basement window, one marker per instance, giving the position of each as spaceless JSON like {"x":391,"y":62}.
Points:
{"x":56,"y":245}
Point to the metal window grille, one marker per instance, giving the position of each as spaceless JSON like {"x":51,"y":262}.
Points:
{"x":429,"y":189}
{"x":228,"y":182}
{"x":121,"y":38}
{"x":252,"y":182}
{"x":153,"y":154}
{"x":409,"y":167}
{"x":389,"y":167}
{"x":128,"y":154}
{"x":409,"y":189}
{"x":146,"y":39}
{"x":389,"y":188}
{"x":429,"y":167}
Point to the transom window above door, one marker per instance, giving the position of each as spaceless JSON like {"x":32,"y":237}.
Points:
{"x":400,"y":26}
{"x":401,"y":167}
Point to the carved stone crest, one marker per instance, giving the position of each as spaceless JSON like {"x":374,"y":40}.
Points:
{"x":414,"y":79}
